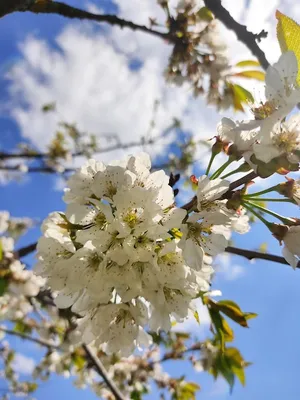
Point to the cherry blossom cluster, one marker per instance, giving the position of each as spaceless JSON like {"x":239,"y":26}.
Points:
{"x":199,"y":55}
{"x":270,"y":143}
{"x":124,"y":257}
{"x":18,"y":283}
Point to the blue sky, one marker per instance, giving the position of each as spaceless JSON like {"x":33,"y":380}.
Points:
{"x":271,"y":290}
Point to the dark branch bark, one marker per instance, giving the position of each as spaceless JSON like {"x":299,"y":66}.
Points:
{"x":39,"y":341}
{"x":99,"y":367}
{"x":49,"y":170}
{"x":45,"y":170}
{"x":242,"y":181}
{"x":9,"y":6}
{"x":117,"y":146}
{"x":24,"y":251}
{"x":246,"y":37}
{"x":58,"y":8}
{"x":252,"y":255}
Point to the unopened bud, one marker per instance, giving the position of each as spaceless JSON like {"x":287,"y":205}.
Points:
{"x":217,"y":147}
{"x":279,"y":231}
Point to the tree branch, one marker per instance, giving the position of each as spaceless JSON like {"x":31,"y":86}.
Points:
{"x":41,"y":342}
{"x":117,"y":146}
{"x":252,"y":255}
{"x":95,"y":361}
{"x":246,"y":37}
{"x":58,"y":8}
{"x":24,"y":251}
{"x":245,"y":179}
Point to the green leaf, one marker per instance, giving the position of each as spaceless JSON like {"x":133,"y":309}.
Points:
{"x":205,"y":14}
{"x":21,"y":327}
{"x":1,"y":250}
{"x":31,"y":387}
{"x":222,"y":366}
{"x":3,"y":286}
{"x":248,"y":63}
{"x":49,"y":107}
{"x":196,"y":315}
{"x":252,"y":74}
{"x":78,"y":361}
{"x":187,"y":391}
{"x":236,"y":363}
{"x":240,"y":96}
{"x":232,"y":310}
{"x":288,"y":35}
{"x":222,"y":328}
{"x":250,"y":315}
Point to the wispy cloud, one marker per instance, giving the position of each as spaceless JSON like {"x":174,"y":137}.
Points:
{"x":23,"y":364}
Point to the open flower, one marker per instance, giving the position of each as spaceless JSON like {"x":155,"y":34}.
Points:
{"x":291,"y":250}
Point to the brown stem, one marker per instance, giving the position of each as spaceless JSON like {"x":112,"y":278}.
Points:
{"x":99,"y":367}
{"x":24,"y":251}
{"x":41,"y":342}
{"x":118,"y":146}
{"x":243,"y":180}
{"x":58,"y":8}
{"x":246,"y":37}
{"x":252,"y":255}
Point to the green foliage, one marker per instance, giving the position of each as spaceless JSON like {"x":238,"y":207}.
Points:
{"x":49,"y":107}
{"x":3,"y":286}
{"x":248,"y":63}
{"x":229,"y":364}
{"x":288,"y":35}
{"x":185,"y":390}
{"x":240,"y":96}
{"x":205,"y":14}
{"x":251,"y":74}
{"x":22,"y":328}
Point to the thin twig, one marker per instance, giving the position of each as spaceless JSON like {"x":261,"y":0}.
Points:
{"x":41,"y":342}
{"x":242,"y":181}
{"x":58,"y":8}
{"x":24,"y":251}
{"x":50,"y":170}
{"x":102,"y":372}
{"x":252,"y":255}
{"x":245,"y":179}
{"x":177,"y":355}
{"x":117,"y":146}
{"x":246,"y":37}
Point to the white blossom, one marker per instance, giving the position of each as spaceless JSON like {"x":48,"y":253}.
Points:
{"x":4,"y":221}
{"x":291,"y":249}
{"x":284,"y":138}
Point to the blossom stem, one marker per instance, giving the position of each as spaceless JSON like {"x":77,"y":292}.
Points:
{"x":267,"y":211}
{"x":271,"y":189}
{"x":241,"y":168}
{"x":257,"y":215}
{"x":219,"y":171}
{"x":212,"y":157}
{"x":268,"y":199}
{"x":102,"y":372}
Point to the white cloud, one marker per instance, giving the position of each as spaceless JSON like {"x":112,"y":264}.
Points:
{"x":226,"y":269}
{"x":90,"y":77}
{"x":91,"y":80}
{"x":23,"y":364}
